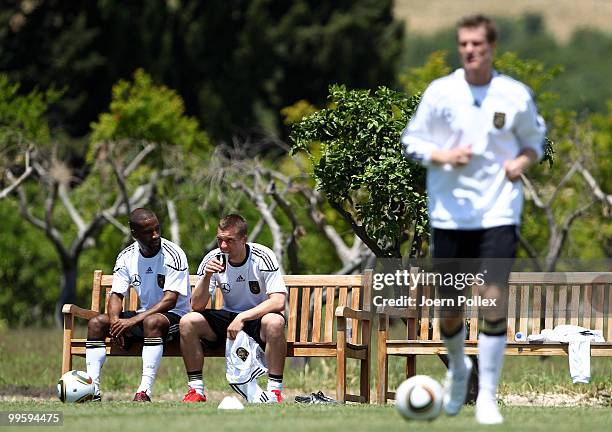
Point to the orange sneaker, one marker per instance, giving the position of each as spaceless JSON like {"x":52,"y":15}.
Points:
{"x":279,"y":397}
{"x":193,"y":396}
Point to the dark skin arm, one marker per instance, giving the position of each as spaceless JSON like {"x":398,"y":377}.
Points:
{"x":118,"y":326}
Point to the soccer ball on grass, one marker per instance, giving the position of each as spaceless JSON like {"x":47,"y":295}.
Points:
{"x":75,"y":386}
{"x":419,"y":398}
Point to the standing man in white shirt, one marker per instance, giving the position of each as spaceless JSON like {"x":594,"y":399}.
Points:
{"x":254,"y":296}
{"x":157,"y":269}
{"x":476,"y":131}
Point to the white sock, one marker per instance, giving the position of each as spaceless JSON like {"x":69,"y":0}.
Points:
{"x":95,"y":356}
{"x":196,"y":381}
{"x":275,"y":382}
{"x":456,"y":352}
{"x":152,"y":352}
{"x":490,"y":360}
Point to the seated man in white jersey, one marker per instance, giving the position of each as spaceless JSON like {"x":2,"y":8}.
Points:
{"x":157,"y":269}
{"x":476,"y":131}
{"x":253,"y":300}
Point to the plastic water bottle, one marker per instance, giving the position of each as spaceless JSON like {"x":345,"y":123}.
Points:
{"x":520,"y":337}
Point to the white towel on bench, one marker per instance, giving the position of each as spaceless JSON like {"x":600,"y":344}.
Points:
{"x":579,"y":347}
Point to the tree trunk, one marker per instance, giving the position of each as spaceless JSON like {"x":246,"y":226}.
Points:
{"x":67,"y":288}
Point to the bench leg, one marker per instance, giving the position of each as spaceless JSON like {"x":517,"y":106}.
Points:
{"x":365,"y":378}
{"x":341,"y":361}
{"x":410,"y":366}
{"x":382,"y":360}
{"x":67,"y":345}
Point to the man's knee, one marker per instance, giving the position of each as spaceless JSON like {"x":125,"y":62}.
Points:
{"x":273,"y":326}
{"x":190,"y":321}
{"x":155,"y":324}
{"x":98,"y":325}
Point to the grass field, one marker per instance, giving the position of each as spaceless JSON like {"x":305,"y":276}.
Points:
{"x":30,"y":366}
{"x":175,"y":416}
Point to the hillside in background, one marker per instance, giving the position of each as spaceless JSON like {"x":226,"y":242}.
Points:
{"x":561,"y":17}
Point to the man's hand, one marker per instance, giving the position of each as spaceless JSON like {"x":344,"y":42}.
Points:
{"x":235,"y":326}
{"x":457,"y":157}
{"x":213,"y":266}
{"x":515,"y":167}
{"x":118,"y":327}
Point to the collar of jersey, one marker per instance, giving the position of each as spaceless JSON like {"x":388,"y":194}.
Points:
{"x":246,"y":257}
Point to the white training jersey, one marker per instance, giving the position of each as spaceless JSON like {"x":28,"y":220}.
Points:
{"x":249,"y":283}
{"x":498,"y":120}
{"x":150,"y":277}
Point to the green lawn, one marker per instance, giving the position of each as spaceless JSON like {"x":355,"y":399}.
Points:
{"x":30,"y":363}
{"x":164,"y":416}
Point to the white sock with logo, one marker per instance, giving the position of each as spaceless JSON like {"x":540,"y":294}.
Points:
{"x":152,"y":352}
{"x":95,"y":356}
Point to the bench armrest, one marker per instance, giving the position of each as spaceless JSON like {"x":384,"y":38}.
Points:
{"x":347,"y":312}
{"x":396,"y":312}
{"x":70,"y":309}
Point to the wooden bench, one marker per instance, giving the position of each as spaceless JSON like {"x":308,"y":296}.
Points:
{"x":322,"y":311}
{"x":536,"y":301}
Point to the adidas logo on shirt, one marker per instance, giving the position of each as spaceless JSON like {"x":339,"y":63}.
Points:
{"x":149,"y":270}
{"x":240,"y":279}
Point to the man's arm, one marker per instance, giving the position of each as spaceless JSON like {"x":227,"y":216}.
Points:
{"x":274,"y":303}
{"x":201,"y":293}
{"x":457,"y":156}
{"x":168,"y":301}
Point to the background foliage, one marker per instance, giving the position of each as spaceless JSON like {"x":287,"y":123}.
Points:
{"x":91,"y":83}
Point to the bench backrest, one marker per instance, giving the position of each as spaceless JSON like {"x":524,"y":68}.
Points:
{"x":312,"y":301}
{"x":536,"y":301}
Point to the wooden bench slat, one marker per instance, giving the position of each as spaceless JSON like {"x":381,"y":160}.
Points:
{"x":355,"y":305}
{"x":586,"y":306}
{"x":609,"y":312}
{"x":536,"y":302}
{"x":330,"y":298}
{"x":96,"y":291}
{"x":473,"y":316}
{"x":424,"y":327}
{"x":562,"y":309}
{"x":524,"y":314}
{"x":575,"y":305}
{"x":304,"y":314}
{"x":549,"y":315}
{"x":293,"y":314}
{"x":598,"y":303}
{"x":316,"y":315}
{"x":512,"y":291}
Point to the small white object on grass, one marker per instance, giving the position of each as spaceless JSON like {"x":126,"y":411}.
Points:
{"x":230,"y":403}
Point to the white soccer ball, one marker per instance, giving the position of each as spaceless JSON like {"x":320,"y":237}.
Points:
{"x":75,"y":386}
{"x":419,"y":398}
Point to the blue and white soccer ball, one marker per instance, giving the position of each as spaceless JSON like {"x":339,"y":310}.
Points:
{"x":419,"y":398}
{"x":75,"y":387}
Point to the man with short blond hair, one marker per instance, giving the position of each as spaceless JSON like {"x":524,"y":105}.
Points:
{"x":253,"y":300}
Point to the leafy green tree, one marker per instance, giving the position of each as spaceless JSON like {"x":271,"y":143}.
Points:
{"x":360,"y":167}
{"x":137,"y":149}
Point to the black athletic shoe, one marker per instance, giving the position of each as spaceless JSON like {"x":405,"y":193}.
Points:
{"x":324,"y":399}
{"x":315,"y":398}
{"x":97,"y":398}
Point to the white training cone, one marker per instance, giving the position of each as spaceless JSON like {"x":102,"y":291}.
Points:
{"x":230,"y":403}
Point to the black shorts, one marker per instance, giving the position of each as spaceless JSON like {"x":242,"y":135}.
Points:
{"x":488,"y":253}
{"x":136,"y":333}
{"x":219,"y":321}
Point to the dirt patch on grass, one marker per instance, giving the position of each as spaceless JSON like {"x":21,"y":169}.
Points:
{"x":601,"y":398}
